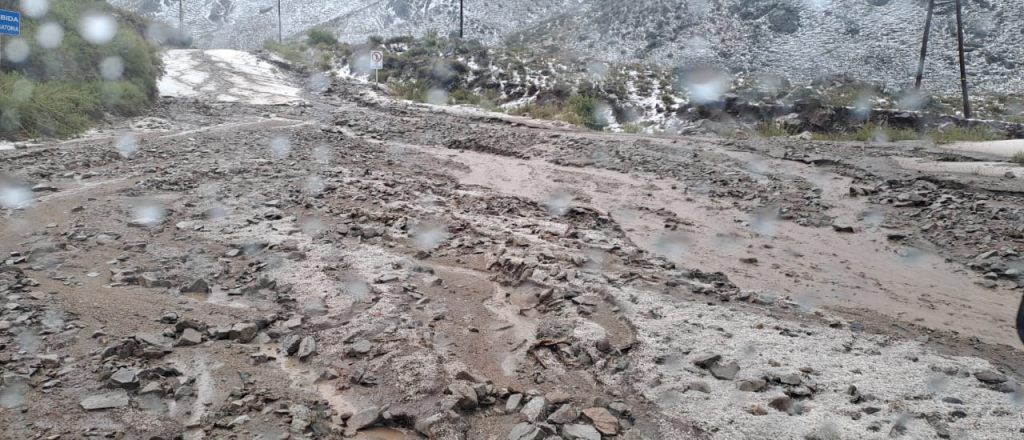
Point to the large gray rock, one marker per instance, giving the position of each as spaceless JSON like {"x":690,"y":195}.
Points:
{"x":990,"y":377}
{"x":302,"y":417}
{"x":243,"y":332}
{"x":125,"y":378}
{"x":466,"y":395}
{"x":535,"y":409}
{"x":525,"y":431}
{"x":190,"y":337}
{"x":725,"y":371}
{"x":362,"y":419}
{"x":105,"y":401}
{"x":306,"y":348}
{"x":580,"y":432}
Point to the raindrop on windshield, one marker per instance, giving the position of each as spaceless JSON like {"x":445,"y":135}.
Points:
{"x":280,"y":148}
{"x":322,"y":155}
{"x":126,"y":145}
{"x":428,"y":236}
{"x":111,"y":68}
{"x":14,"y":196}
{"x":437,"y":97}
{"x":50,"y":35}
{"x":35,"y":8}
{"x":558,"y":203}
{"x":97,"y":28}
{"x":17,"y":50}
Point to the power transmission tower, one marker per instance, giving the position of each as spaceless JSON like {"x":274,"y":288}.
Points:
{"x":924,"y":44}
{"x":963,"y":67}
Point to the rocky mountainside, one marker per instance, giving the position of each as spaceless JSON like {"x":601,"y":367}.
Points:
{"x":877,"y":40}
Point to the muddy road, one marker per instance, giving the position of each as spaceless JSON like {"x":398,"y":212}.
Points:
{"x":268,"y":257}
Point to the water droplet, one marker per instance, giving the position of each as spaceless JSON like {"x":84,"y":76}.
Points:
{"x":50,"y":35}
{"x":437,"y":97}
{"x":672,"y":245}
{"x":704,"y":85}
{"x":17,"y":50}
{"x":22,"y":90}
{"x":766,"y":221}
{"x":97,"y":28}
{"x":318,"y":83}
{"x":558,"y":203}
{"x":14,"y":196}
{"x":359,"y":290}
{"x":428,"y":236}
{"x":127,"y":145}
{"x":322,"y":155}
{"x":35,"y":8}
{"x":937,"y":383}
{"x":280,"y":147}
{"x":148,"y":212}
{"x":111,"y":68}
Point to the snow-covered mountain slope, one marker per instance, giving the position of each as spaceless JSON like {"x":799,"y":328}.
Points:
{"x":876,"y":40}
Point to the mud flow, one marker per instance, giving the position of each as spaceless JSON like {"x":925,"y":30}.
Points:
{"x":257,"y":260}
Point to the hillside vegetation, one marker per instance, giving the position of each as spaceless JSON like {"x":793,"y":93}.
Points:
{"x":61,"y":89}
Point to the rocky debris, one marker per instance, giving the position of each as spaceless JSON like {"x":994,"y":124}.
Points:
{"x":564,"y":414}
{"x":306,"y":348}
{"x":725,"y":371}
{"x":525,"y":431}
{"x":534,"y":409}
{"x":513,"y":402}
{"x":781,"y":404}
{"x":754,"y":385}
{"x":990,"y":377}
{"x":190,"y":336}
{"x":198,"y":286}
{"x":125,"y":378}
{"x":362,"y":419}
{"x":245,"y":332}
{"x":105,"y":401}
{"x":603,"y":420}
{"x":466,"y":395}
{"x":580,"y":432}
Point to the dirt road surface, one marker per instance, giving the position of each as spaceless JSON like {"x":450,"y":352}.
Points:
{"x":269,"y":257}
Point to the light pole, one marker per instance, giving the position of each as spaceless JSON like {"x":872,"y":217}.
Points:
{"x":924,"y":44}
{"x":963,"y":67}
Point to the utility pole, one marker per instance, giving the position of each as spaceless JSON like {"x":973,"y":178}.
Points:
{"x":963,"y":67}
{"x":924,"y":44}
{"x":181,"y":16}
{"x":461,"y":20}
{"x":280,"y":32}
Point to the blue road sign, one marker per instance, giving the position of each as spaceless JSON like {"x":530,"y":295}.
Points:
{"x":10,"y":23}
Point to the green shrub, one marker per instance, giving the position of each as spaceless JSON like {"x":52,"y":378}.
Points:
{"x":68,"y":91}
{"x":415,"y":91}
{"x":1018,"y":157}
{"x":320,"y":36}
{"x":584,"y":106}
{"x":975,"y":133}
{"x":771,"y":129}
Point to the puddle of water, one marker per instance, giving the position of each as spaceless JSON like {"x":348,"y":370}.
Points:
{"x":381,"y":434}
{"x":217,"y":296}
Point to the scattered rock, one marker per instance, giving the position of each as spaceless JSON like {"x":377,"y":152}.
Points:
{"x":580,"y":432}
{"x":362,"y":419}
{"x":603,"y":420}
{"x":190,"y":337}
{"x":125,"y":378}
{"x":105,"y":401}
{"x":724,"y":371}
{"x":198,"y":286}
{"x":754,"y":385}
{"x":525,"y":431}
{"x":990,"y":377}
{"x":306,"y":348}
{"x":466,"y":395}
{"x":534,"y":409}
{"x":564,"y":414}
{"x":781,"y":404}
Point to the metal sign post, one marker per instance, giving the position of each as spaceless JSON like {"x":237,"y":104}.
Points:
{"x":963,"y":68}
{"x":376,"y":63}
{"x":10,"y":24}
